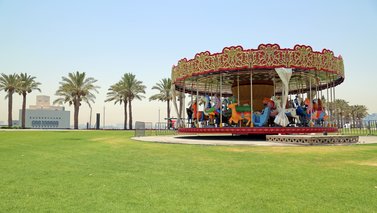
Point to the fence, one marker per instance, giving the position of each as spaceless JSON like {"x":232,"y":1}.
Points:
{"x":146,"y":129}
{"x":360,"y":128}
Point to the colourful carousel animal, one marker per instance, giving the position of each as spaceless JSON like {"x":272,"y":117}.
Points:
{"x":210,"y":110}
{"x":238,"y":116}
{"x":319,"y":114}
{"x":198,"y":116}
{"x":189,"y":114}
{"x":291,"y":112}
{"x":301,"y":110}
{"x":314,"y":113}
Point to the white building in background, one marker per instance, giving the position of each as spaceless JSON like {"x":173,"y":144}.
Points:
{"x":45,"y":116}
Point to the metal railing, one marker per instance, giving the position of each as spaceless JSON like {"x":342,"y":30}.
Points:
{"x":359,"y":128}
{"x":145,"y":129}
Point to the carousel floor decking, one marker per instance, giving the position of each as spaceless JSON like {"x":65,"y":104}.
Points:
{"x":313,"y":139}
{"x":256,"y":130}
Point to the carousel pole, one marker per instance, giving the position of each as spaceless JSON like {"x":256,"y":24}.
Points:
{"x":302,"y":90}
{"x":191,"y":103}
{"x":221,"y":110}
{"x":332,"y":104}
{"x":320,"y":87}
{"x":197,"y":104}
{"x":327,"y":97}
{"x":210,"y":89}
{"x":183,"y":100}
{"x":251,"y":99}
{"x":238,"y":94}
{"x":336,"y":115}
{"x":310,"y":99}
{"x":317,"y":87}
{"x":297,"y":91}
{"x":205,"y":89}
{"x":299,"y":88}
{"x":192,"y":91}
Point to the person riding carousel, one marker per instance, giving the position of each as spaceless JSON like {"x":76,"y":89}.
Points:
{"x":261,"y":118}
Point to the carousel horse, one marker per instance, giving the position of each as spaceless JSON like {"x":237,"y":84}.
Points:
{"x":217,"y":104}
{"x":205,"y":115}
{"x":318,"y":114}
{"x":225,"y":104}
{"x":208,"y":106}
{"x":301,"y":110}
{"x":226,"y":112}
{"x":210,"y":110}
{"x":308,"y":113}
{"x":315,"y":112}
{"x":198,"y":115}
{"x":291,"y":112}
{"x":238,"y":116}
{"x":189,"y":113}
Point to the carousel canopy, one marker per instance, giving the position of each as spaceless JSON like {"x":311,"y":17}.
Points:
{"x":310,"y":69}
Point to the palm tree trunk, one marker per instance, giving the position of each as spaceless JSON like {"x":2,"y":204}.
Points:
{"x":125,"y":115}
{"x":168,"y":112}
{"x":10,"y":106}
{"x":23,"y":110}
{"x":76,"y":115}
{"x":130,"y":114}
{"x":337,"y":119}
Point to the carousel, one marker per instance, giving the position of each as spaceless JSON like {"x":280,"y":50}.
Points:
{"x":268,"y":91}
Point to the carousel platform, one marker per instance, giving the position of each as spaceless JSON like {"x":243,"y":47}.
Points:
{"x":257,"y":130}
{"x":228,"y":140}
{"x":313,"y":139}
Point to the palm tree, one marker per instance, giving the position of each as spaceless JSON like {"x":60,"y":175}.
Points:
{"x":358,"y":112}
{"x":134,"y":89}
{"x":74,"y":89}
{"x":117,"y":93}
{"x":26,"y":85}
{"x":9,"y":83}
{"x":341,"y":109}
{"x":361,"y":112}
{"x":164,"y":88}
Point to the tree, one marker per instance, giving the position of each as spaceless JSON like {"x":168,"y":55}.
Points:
{"x":341,"y":108}
{"x":118,"y":94}
{"x":26,"y":85}
{"x":134,"y":89}
{"x":164,"y":88}
{"x":74,"y":89}
{"x":361,"y":112}
{"x":358,"y":112}
{"x":9,"y":83}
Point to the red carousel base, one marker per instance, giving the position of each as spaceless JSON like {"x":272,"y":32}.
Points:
{"x":257,"y":130}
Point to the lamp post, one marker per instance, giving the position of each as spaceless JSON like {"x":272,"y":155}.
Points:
{"x":90,"y":117}
{"x":159,"y":123}
{"x":103,"y":118}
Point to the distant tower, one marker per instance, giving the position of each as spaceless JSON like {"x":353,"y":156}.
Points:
{"x":43,"y":101}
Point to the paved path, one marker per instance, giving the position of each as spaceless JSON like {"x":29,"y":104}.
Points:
{"x":367,"y":139}
{"x":227,"y":140}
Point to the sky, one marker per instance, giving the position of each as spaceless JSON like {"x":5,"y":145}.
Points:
{"x":105,"y":39}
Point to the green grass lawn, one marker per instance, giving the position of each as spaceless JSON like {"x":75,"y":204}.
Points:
{"x":106,"y":171}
